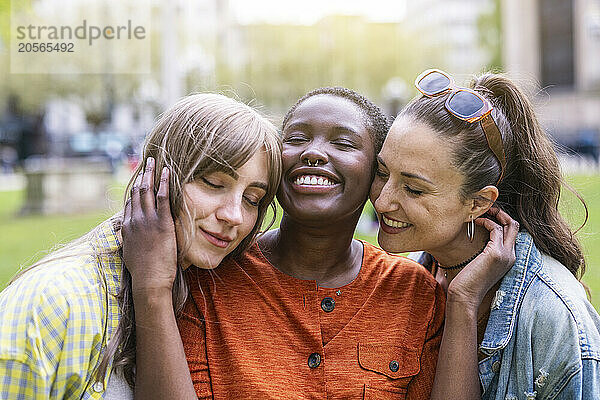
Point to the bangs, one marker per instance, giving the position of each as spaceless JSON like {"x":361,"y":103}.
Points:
{"x":232,"y":145}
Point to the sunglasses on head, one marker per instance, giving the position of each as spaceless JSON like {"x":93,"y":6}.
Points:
{"x":466,"y":105}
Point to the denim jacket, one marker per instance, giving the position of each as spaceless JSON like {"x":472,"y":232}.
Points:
{"x":542,"y":340}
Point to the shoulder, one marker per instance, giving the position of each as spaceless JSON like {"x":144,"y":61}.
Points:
{"x":69,"y":273}
{"x":397,"y":267}
{"x":550,"y":292}
{"x":61,"y":298}
{"x":558,"y":322}
{"x":556,"y":296}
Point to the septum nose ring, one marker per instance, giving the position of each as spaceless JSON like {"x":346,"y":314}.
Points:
{"x":310,"y":164}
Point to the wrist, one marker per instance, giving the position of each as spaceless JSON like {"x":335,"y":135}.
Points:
{"x":462,"y":302}
{"x":152,"y":295}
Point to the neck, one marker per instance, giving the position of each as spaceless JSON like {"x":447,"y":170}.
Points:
{"x":326,"y":254}
{"x":460,"y":250}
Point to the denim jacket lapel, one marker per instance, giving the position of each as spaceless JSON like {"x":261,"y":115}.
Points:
{"x":505,"y":306}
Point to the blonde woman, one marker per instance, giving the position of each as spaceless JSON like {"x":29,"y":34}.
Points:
{"x":68,"y":323}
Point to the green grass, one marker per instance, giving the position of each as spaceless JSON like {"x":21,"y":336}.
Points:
{"x":24,"y":240}
{"x":589,"y":188}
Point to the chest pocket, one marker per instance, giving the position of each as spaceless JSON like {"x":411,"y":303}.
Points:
{"x":392,"y":367}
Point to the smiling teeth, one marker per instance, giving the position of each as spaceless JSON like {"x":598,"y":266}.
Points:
{"x":395,"y":224}
{"x":313,"y":180}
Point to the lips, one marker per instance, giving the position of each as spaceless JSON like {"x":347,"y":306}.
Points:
{"x":314,"y":172}
{"x":313,"y":180}
{"x":390,"y":225}
{"x":219,"y":240}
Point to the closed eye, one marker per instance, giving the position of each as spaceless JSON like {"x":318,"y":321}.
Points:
{"x":381,"y":173}
{"x":211,"y":184}
{"x":344,"y":144}
{"x":252,"y":202}
{"x":295,"y":139}
{"x":412,"y":191}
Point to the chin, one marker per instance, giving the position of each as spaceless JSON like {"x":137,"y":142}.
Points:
{"x":205,"y":266}
{"x":205,"y":262}
{"x":388,"y":243}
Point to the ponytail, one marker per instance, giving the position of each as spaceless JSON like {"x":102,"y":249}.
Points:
{"x":530,"y":190}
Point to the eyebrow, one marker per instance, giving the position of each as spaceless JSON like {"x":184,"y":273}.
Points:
{"x":257,"y":184}
{"x":308,"y":127}
{"x":297,"y":125}
{"x":232,"y":173}
{"x":260,"y":185}
{"x":406,"y":174}
{"x":346,"y":129}
{"x":411,"y":175}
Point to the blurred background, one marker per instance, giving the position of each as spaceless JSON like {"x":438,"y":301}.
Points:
{"x":68,"y":141}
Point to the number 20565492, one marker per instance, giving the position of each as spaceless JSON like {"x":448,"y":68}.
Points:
{"x":46,"y":47}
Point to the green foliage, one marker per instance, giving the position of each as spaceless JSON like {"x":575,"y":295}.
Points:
{"x":94,"y":92}
{"x":274,"y":63}
{"x":286,"y":61}
{"x":572,"y":209}
{"x":5,"y":9}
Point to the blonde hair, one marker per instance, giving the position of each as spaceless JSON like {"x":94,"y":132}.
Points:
{"x":200,"y":134}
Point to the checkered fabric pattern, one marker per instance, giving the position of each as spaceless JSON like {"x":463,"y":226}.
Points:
{"x":56,"y":321}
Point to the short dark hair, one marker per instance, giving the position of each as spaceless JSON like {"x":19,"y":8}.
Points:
{"x":376,"y":122}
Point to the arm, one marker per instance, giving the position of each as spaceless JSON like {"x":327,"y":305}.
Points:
{"x":161,"y":368}
{"x":150,"y":255}
{"x":457,"y":374}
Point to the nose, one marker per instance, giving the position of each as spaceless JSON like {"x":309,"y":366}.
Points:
{"x":384,"y":197}
{"x":231,"y":210}
{"x":313,"y":155}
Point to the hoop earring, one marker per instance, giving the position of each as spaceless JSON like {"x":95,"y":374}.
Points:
{"x":471,"y":228}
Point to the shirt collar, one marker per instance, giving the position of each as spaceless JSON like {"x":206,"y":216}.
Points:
{"x":108,"y":250}
{"x":505,"y":306}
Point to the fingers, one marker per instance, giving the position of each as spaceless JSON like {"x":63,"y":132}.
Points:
{"x":509,"y":225}
{"x":146,"y":191}
{"x":127,"y":211}
{"x":135,"y":195}
{"x":496,"y":231}
{"x":162,"y":196}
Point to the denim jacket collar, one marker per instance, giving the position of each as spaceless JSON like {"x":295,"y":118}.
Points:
{"x":504,"y":310}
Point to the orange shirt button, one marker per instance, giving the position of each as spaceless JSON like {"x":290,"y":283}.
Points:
{"x":328,"y":304}
{"x":394,"y":366}
{"x":314,"y":360}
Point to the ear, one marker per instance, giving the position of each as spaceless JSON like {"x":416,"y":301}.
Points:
{"x":483,"y":200}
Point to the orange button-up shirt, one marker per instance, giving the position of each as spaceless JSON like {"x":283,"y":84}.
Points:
{"x":252,"y":332}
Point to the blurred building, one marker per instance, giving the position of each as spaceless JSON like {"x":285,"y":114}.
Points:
{"x":450,"y":27}
{"x":198,"y":37}
{"x":556,"y":45}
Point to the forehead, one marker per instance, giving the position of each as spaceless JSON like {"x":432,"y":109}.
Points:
{"x":255,"y":169}
{"x":329,"y":110}
{"x":414,"y":147}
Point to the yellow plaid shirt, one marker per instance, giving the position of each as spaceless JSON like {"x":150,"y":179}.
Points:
{"x":56,"y":321}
